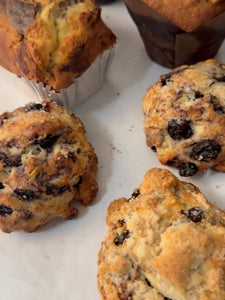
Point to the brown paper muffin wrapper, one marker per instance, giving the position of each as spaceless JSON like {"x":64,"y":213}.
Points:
{"x":170,"y":46}
{"x":82,"y":87}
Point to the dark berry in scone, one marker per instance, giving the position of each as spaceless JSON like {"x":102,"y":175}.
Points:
{"x":46,"y":163}
{"x":165,"y":242}
{"x":185,"y":117}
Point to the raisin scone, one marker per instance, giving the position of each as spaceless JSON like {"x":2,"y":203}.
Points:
{"x":46,"y":163}
{"x":185,"y":117}
{"x":165,"y":242}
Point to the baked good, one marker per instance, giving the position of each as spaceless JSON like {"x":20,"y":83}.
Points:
{"x":178,"y":32}
{"x":185,"y":117}
{"x":51,"y":41}
{"x":46,"y":165}
{"x":165,"y":242}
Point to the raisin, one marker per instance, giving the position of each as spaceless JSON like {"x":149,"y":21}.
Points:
{"x":198,"y":95}
{"x":3,"y":117}
{"x":5,"y":210}
{"x":187,"y":169}
{"x":179,"y":129}
{"x":24,"y":195}
{"x":121,"y":222}
{"x":51,"y":189}
{"x":76,"y":185}
{"x":165,"y":79}
{"x":33,"y":107}
{"x":148,"y":282}
{"x":219,"y":77}
{"x":216,"y":104}
{"x":72,"y":156}
{"x":195,"y":214}
{"x":205,"y":150}
{"x":7,"y":162}
{"x":47,"y":142}
{"x":136,"y":193}
{"x":119,"y":239}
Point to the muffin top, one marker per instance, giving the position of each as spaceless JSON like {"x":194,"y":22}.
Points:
{"x":46,"y":162}
{"x":165,"y":242}
{"x":190,"y":14}
{"x":51,"y":41}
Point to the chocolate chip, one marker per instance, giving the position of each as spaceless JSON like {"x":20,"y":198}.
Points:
{"x":119,"y":239}
{"x":5,"y":210}
{"x":24,"y":195}
{"x":205,"y":150}
{"x":179,"y":129}
{"x":195,"y":214}
{"x":1,"y":186}
{"x":187,"y":169}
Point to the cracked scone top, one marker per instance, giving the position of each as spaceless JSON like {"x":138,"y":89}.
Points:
{"x":184,"y":117}
{"x":46,"y":164}
{"x":51,"y":41}
{"x":165,"y":242}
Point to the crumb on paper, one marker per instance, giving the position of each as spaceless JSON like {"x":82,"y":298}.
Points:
{"x":120,"y":183}
{"x":118,"y":94}
{"x":47,"y":257}
{"x":114,"y":148}
{"x":131,"y":127}
{"x":217,"y":186}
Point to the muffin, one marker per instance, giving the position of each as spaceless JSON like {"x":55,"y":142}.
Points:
{"x":54,"y":43}
{"x":165,"y":242}
{"x":184,"y":117}
{"x":178,"y":32}
{"x":46,"y":166}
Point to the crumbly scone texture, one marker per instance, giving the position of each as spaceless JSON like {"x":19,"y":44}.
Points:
{"x":46,"y":165}
{"x":184,"y":117}
{"x":51,"y":41}
{"x":189,"y":14}
{"x":165,"y":242}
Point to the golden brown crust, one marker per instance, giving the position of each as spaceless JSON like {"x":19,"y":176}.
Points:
{"x":189,"y":14}
{"x":46,"y":163}
{"x":54,"y":41}
{"x":185,"y":117}
{"x":165,"y":242}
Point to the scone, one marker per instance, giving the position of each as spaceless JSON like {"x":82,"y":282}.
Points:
{"x":165,"y":242}
{"x":184,"y":117}
{"x":46,"y":164}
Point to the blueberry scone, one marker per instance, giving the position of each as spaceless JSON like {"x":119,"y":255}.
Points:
{"x":46,"y":163}
{"x":185,"y":118}
{"x":165,"y":242}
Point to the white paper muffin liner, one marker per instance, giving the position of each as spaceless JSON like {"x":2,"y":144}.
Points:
{"x":83,"y":87}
